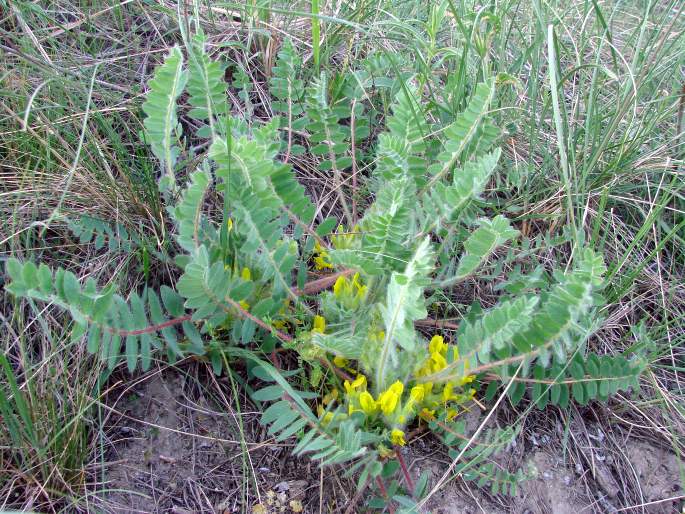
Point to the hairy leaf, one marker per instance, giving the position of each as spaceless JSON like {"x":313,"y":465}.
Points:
{"x":161,"y":122}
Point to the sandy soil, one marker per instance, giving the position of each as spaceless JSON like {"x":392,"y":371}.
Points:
{"x":174,"y":450}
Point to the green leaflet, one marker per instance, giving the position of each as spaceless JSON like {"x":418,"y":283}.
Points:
{"x":247,"y":165}
{"x":584,"y":379}
{"x":517,"y":329}
{"x":287,"y":87}
{"x":330,"y":138}
{"x":344,"y":345}
{"x":251,"y":164}
{"x":404,"y":304}
{"x":462,"y":131}
{"x":489,"y":336}
{"x":208,"y":286}
{"x":400,"y":150}
{"x":260,"y":223}
{"x":480,"y":245}
{"x":568,"y":301}
{"x":408,"y":122}
{"x":292,"y":195}
{"x":388,"y":225}
{"x":444,"y":203}
{"x":361,"y":260}
{"x":496,"y":328}
{"x":161,"y":122}
{"x":291,"y":414}
{"x":188,"y":212}
{"x":101,"y":233}
{"x":206,"y":88}
{"x":106,"y":317}
{"x":475,"y":463}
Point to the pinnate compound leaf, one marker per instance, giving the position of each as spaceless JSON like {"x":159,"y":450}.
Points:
{"x":161,"y":121}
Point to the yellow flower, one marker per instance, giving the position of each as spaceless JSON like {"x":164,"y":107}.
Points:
{"x":339,"y":361}
{"x":357,"y":285}
{"x":378,"y":336}
{"x":438,"y":362}
{"x":427,"y":414}
{"x":229,"y":224}
{"x":447,"y":392}
{"x":244,"y":304}
{"x":339,"y":286}
{"x":397,"y":388}
{"x":319,"y":324}
{"x":397,"y":437}
{"x":416,"y":394}
{"x":412,"y":405}
{"x":341,"y":239}
{"x":350,"y":293}
{"x":384,"y":452}
{"x":283,"y":320}
{"x":333,"y":395}
{"x":359,"y":383}
{"x":451,"y":414}
{"x":388,"y":400}
{"x":323,"y":259}
{"x":367,"y":403}
{"x":467,"y":379}
{"x":246,"y":274}
{"x":437,"y":345}
{"x":327,"y":418}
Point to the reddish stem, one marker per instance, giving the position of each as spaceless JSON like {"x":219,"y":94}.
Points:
{"x":405,"y":470}
{"x":384,"y":493}
{"x":320,"y":284}
{"x":434,"y":323}
{"x":245,"y":314}
{"x":312,"y":287}
{"x":152,"y":328}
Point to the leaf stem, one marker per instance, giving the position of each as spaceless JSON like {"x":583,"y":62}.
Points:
{"x":384,"y":493}
{"x":405,"y":470}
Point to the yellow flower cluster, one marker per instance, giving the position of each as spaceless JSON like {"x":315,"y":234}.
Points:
{"x":388,"y":403}
{"x":350,"y":293}
{"x":436,"y":362}
{"x":322,"y":259}
{"x":398,"y":408}
{"x":342,"y":239}
{"x":397,"y":405}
